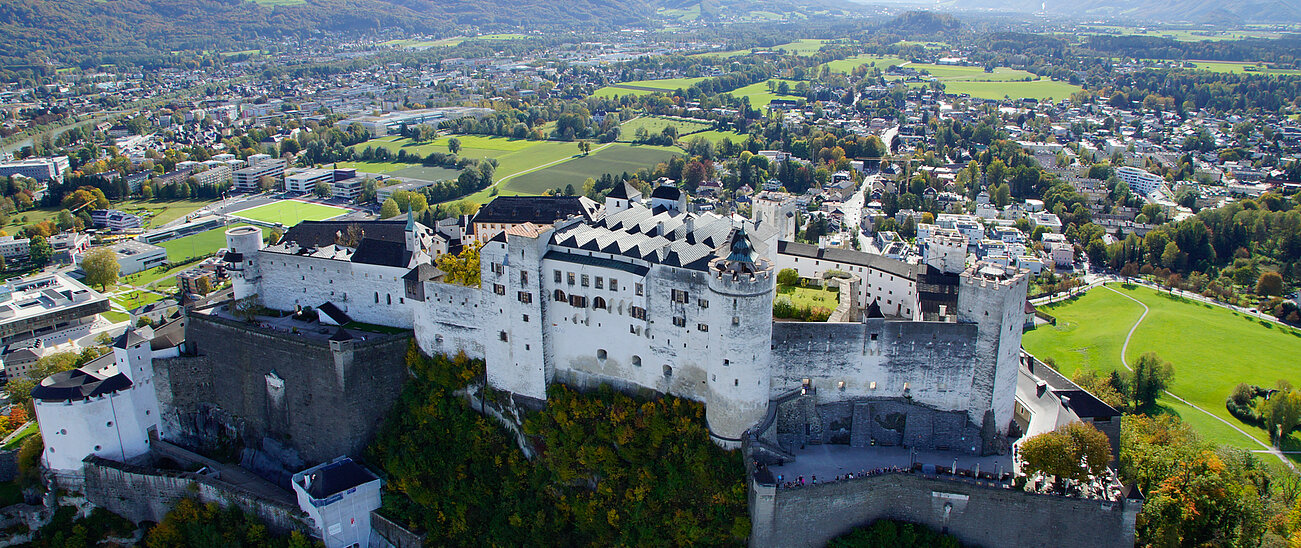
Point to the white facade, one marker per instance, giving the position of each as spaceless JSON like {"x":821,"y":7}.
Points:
{"x":247,"y":179}
{"x":779,"y":210}
{"x":1140,"y":180}
{"x":305,"y":181}
{"x":41,"y":169}
{"x":108,"y":408}
{"x":339,"y":496}
{"x":133,"y":256}
{"x":12,"y":248}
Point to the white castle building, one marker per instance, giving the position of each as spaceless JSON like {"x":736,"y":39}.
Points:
{"x":107,"y":408}
{"x":653,"y":298}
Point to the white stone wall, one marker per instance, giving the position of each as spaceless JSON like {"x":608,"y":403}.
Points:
{"x":451,"y":320}
{"x":897,"y":295}
{"x":997,"y":307}
{"x":103,"y":426}
{"x":368,"y":293}
{"x":740,"y":369}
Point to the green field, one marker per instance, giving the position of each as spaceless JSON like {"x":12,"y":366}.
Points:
{"x":290,"y":212}
{"x":717,"y":136}
{"x":803,"y":46}
{"x":503,"y":36}
{"x":759,"y":94}
{"x":1002,"y":82}
{"x":848,"y":65}
{"x":812,"y":297}
{"x":616,"y":158}
{"x":645,"y":87}
{"x":157,"y":213}
{"x":194,"y":245}
{"x":1182,"y":35}
{"x":424,"y":44}
{"x":1240,"y":68}
{"x":1212,"y":349}
{"x":656,"y":124}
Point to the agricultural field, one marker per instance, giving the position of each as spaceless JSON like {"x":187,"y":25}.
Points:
{"x":656,"y":124}
{"x":759,"y":94}
{"x":848,"y":65}
{"x":1182,"y":35}
{"x":616,"y":158}
{"x":805,"y":46}
{"x":1240,"y":68}
{"x":290,"y":212}
{"x":717,"y":136}
{"x":645,"y":87}
{"x":1002,"y":82}
{"x":1212,"y":349}
{"x":424,"y":44}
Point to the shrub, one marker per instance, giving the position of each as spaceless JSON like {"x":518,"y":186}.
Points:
{"x":788,"y":276}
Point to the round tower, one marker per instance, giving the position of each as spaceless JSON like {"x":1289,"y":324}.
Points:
{"x":242,"y":246}
{"x":740,"y":374}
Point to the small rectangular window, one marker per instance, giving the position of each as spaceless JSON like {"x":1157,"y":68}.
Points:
{"x":704,"y":303}
{"x":525,"y":297}
{"x":679,"y":321}
{"x":702,"y":327}
{"x":614,"y":284}
{"x":586,"y":280}
{"x":600,"y":282}
{"x":526,"y":318}
{"x":502,"y":335}
{"x":639,"y":290}
{"x":571,"y":278}
{"x":680,"y":296}
{"x":499,"y":289}
{"x":557,"y":275}
{"x":523,"y":277}
{"x":638,"y":313}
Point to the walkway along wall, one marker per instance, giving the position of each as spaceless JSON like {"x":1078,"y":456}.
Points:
{"x":140,"y":494}
{"x":975,"y":514}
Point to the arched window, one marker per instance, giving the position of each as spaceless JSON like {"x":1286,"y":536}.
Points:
{"x":389,"y":298}
{"x":601,"y":354}
{"x":560,"y":295}
{"x":599,"y":302}
{"x":668,"y":370}
{"x":636,"y":360}
{"x":376,"y":297}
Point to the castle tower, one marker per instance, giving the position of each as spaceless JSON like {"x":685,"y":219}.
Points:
{"x":133,"y":354}
{"x":993,"y":298}
{"x":621,"y":197}
{"x":740,"y":374}
{"x":413,"y":240}
{"x":242,"y":246}
{"x":513,"y":316}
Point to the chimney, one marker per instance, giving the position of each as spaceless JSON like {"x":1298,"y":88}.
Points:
{"x":659,"y":228}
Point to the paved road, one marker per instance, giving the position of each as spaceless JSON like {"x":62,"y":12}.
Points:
{"x":1125,"y":349}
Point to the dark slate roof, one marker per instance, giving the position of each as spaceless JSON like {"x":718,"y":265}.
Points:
{"x":129,"y":338}
{"x":623,"y":191}
{"x":382,"y":252}
{"x":849,"y":256}
{"x":874,"y":310}
{"x":342,"y":335}
{"x":1084,"y":404}
{"x":423,"y":272}
{"x":337,"y":477}
{"x":543,"y":210}
{"x":666,"y":192}
{"x":80,"y":384}
{"x":169,"y":335}
{"x":339,"y":316}
{"x":324,"y":233}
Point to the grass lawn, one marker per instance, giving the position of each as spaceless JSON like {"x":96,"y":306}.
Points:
{"x":426,"y":173}
{"x":133,"y":299}
{"x":143,"y":279}
{"x":194,"y":245}
{"x":617,"y":158}
{"x":812,"y":297}
{"x":290,"y":212}
{"x":424,"y":44}
{"x":644,"y":87}
{"x":1212,"y":349}
{"x":804,"y":46}
{"x":470,"y":145}
{"x":26,"y":431}
{"x":1036,"y":89}
{"x":759,"y":94}
{"x":717,"y":136}
{"x":656,"y":124}
{"x":1239,"y":68}
{"x":158,"y":213}
{"x":115,"y":316}
{"x":848,"y":65}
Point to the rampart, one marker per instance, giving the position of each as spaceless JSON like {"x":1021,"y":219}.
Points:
{"x":976,"y":514}
{"x":240,"y":386}
{"x":140,"y":494}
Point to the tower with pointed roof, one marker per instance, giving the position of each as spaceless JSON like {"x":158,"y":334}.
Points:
{"x":740,"y":376}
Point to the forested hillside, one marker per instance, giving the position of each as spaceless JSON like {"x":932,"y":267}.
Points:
{"x":92,"y":32}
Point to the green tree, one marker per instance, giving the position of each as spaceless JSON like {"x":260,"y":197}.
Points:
{"x":1269,"y":284}
{"x":1075,"y":451}
{"x":321,"y":189}
{"x":461,"y":269}
{"x":1151,"y":376}
{"x":788,"y":276}
{"x":389,"y":209}
{"x":40,"y":251}
{"x":454,"y":145}
{"x":1281,"y":411}
{"x":101,"y":267}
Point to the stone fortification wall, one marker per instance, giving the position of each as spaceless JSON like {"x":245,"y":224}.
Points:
{"x":451,"y":320}
{"x":930,"y":362}
{"x":863,"y":423}
{"x":368,"y":293}
{"x":976,"y":514}
{"x":146,"y":494}
{"x":238,"y":385}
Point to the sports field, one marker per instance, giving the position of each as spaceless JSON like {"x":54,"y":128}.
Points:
{"x":290,"y":212}
{"x":1212,"y":349}
{"x":717,"y":136}
{"x":616,"y":158}
{"x":645,"y":87}
{"x":759,"y":94}
{"x":848,"y":65}
{"x":656,"y":124}
{"x":195,"y":245}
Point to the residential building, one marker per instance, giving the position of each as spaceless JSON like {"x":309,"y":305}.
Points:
{"x":339,"y":496}
{"x":49,"y":307}
{"x":41,"y":169}
{"x":114,"y":220}
{"x":248,"y":179}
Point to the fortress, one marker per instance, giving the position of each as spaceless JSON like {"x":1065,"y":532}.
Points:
{"x":651,"y":297}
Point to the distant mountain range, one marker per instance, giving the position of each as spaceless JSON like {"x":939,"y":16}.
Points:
{"x":1193,"y":11}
